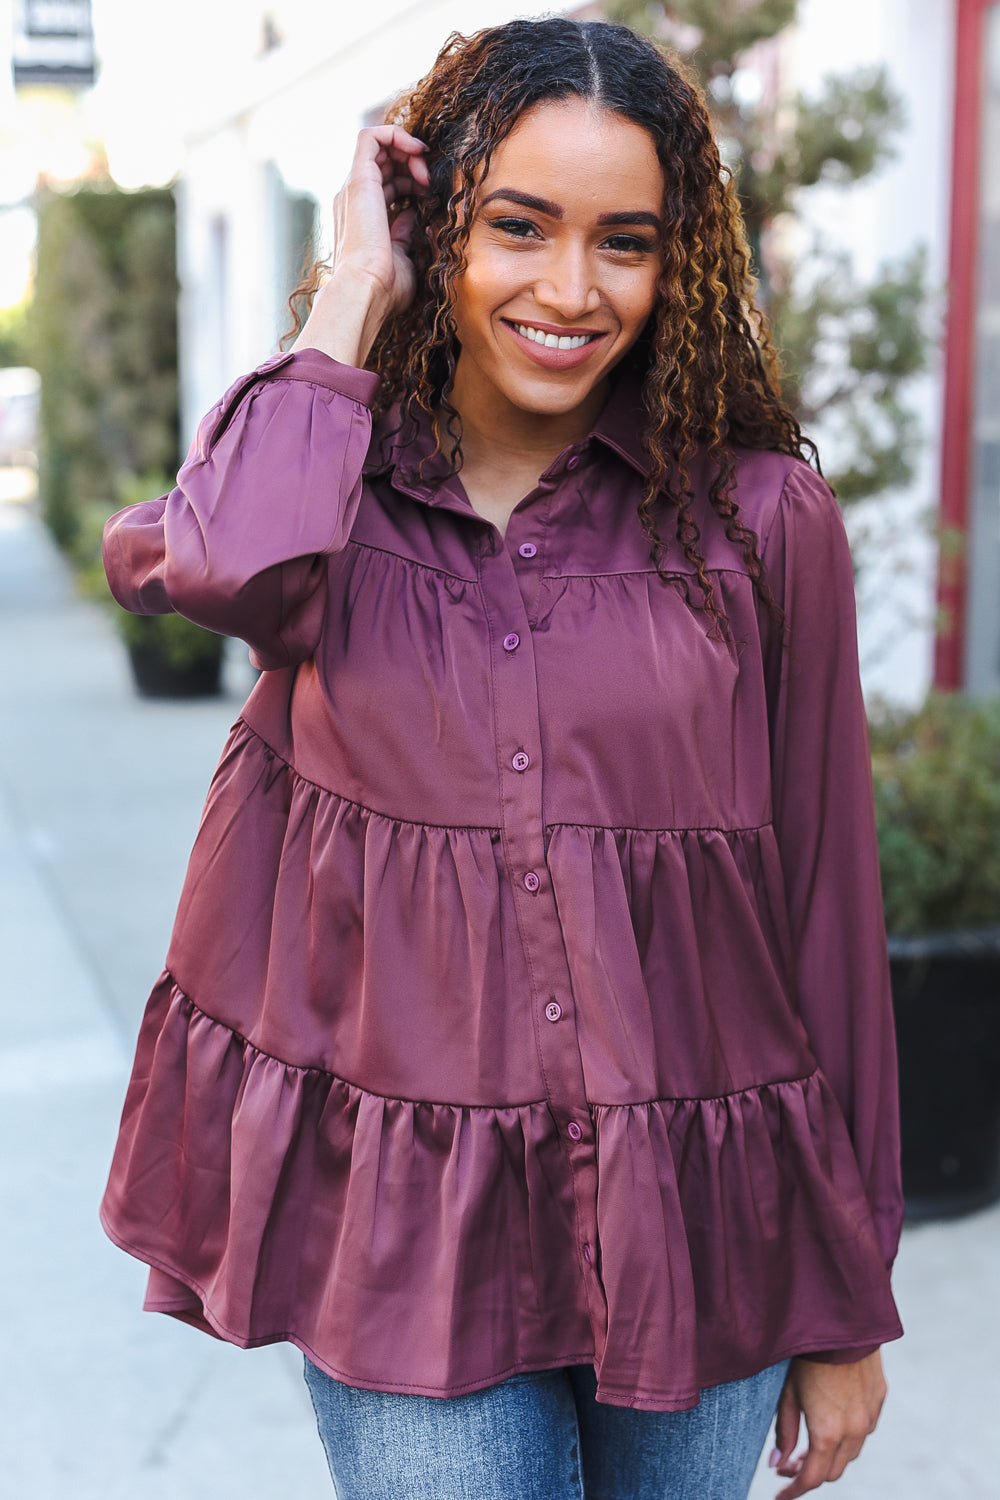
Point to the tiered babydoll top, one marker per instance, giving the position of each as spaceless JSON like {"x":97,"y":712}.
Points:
{"x":527,"y":1003}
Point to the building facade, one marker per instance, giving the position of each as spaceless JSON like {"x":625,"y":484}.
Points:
{"x":967,"y":650}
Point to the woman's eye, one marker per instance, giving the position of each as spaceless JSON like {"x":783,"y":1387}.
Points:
{"x":521,"y":229}
{"x":630,"y":244}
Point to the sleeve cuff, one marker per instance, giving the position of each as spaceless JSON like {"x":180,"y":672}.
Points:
{"x":317,"y":368}
{"x":843,"y":1356}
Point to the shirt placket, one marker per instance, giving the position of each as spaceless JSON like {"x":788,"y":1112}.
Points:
{"x":510,"y":575}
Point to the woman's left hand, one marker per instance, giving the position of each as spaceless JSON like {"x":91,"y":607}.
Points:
{"x":841,"y":1405}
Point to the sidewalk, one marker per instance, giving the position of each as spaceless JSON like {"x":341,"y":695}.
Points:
{"x":99,"y":799}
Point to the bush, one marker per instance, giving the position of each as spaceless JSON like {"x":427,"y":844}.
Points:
{"x":14,"y":335}
{"x":937,"y":803}
{"x":103,"y":336}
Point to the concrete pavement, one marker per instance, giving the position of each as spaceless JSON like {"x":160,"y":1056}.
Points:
{"x":99,"y":799}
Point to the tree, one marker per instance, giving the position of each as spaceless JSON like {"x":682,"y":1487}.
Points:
{"x":847,"y":350}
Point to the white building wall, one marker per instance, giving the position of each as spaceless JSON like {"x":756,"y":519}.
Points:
{"x":225,"y":261}
{"x":907,"y":203}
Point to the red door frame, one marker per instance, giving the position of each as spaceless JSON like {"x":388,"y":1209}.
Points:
{"x":959,"y":362}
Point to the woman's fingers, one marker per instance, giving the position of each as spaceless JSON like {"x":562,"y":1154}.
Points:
{"x":414,"y":163}
{"x":393,"y":148}
{"x":398,"y":187}
{"x":402,"y":229}
{"x":397,"y":182}
{"x":786,"y":1426}
{"x":821,"y":1464}
{"x":810,"y":1472}
{"x":372,"y":276}
{"x":841,"y":1405}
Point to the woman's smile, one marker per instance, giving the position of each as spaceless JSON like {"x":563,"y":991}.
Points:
{"x":555,"y":348}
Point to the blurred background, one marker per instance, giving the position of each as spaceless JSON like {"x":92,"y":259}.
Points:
{"x":164,"y":178}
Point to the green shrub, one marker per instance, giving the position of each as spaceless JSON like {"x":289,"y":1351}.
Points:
{"x":177,"y":641}
{"x":103,"y":335}
{"x":937,"y":803}
{"x":14,"y":348}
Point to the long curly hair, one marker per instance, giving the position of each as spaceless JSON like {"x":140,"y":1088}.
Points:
{"x":708,"y":368}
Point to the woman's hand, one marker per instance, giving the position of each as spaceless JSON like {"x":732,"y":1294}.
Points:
{"x":841,"y":1405}
{"x":372,"y":276}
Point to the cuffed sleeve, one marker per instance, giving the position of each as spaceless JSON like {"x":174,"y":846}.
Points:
{"x":825,"y":825}
{"x":270,"y":487}
{"x":844,"y":1356}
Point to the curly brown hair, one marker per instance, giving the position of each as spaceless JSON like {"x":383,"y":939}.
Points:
{"x":708,"y":367}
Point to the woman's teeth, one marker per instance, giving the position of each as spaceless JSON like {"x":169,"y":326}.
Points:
{"x":552,"y":340}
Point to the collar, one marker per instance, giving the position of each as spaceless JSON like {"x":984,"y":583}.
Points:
{"x":415,"y":465}
{"x":411,"y":459}
{"x":622,"y":421}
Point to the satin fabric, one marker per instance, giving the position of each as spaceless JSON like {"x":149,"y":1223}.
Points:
{"x":527,"y":1003}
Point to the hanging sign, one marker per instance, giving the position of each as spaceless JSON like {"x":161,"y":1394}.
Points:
{"x":53,"y":43}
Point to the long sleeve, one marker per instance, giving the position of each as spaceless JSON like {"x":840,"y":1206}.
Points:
{"x":825,"y":826}
{"x":271,"y":485}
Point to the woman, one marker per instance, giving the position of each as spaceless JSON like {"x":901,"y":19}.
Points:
{"x":524,"y":1052}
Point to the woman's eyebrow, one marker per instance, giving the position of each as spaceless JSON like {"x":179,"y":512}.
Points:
{"x":526,"y":200}
{"x":631,"y":216}
{"x":556,"y":211}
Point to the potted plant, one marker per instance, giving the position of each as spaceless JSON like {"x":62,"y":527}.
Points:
{"x":937,"y":804}
{"x":170,"y":657}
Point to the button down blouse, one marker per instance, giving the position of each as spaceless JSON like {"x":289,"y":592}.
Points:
{"x":527,"y":1003}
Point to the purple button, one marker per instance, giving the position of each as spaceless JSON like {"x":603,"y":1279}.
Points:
{"x":527,"y":549}
{"x":531,"y":883}
{"x":586,"y":1254}
{"x":573,"y":462}
{"x":553,"y":1010}
{"x":573,"y":1131}
{"x":511,"y":642}
{"x":521,"y":761}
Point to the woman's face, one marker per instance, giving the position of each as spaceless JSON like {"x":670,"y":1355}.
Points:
{"x":562,"y":262}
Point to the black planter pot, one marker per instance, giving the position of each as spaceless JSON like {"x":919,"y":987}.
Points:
{"x":946,"y":999}
{"x":155,"y":677}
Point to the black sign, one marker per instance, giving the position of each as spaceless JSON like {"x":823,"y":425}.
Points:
{"x":53,"y":43}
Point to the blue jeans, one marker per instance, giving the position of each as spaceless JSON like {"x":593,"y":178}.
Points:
{"x":542,"y":1436}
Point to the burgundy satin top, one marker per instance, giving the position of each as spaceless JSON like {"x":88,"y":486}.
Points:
{"x":527,"y":1003}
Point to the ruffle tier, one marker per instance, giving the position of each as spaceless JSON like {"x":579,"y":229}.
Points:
{"x":432,"y":1248}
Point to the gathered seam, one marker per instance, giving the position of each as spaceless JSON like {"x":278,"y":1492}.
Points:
{"x":753,"y":1088}
{"x":374,"y":812}
{"x":336,"y":1077}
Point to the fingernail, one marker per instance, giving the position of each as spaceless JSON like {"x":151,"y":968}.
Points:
{"x":774,"y":1459}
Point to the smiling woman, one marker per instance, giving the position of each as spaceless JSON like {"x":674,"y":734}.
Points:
{"x":524,"y":1049}
{"x":558,"y":284}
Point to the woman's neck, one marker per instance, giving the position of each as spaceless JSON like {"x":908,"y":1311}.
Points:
{"x":498,"y":437}
{"x":503,"y":457}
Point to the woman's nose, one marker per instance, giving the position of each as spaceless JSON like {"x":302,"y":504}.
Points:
{"x":568,"y":285}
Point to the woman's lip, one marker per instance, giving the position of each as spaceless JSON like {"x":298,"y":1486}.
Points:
{"x":556,"y":359}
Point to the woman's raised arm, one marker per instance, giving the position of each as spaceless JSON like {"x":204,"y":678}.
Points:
{"x":273,"y":479}
{"x":371,"y":275}
{"x":270,"y":487}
